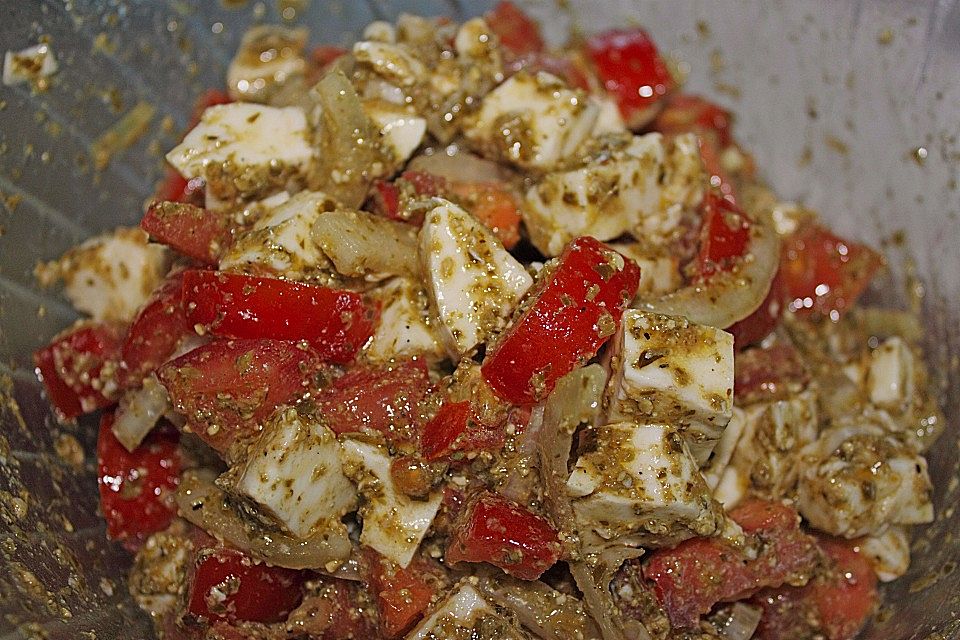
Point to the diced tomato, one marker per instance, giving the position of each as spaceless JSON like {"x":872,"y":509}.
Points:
{"x":499,"y":531}
{"x":136,"y":488}
{"x":385,"y":399}
{"x":228,"y":585}
{"x":686,"y":113}
{"x":79,"y":368}
{"x":698,"y":573}
{"x":761,"y":323}
{"x":768,"y":374}
{"x":188,"y":229}
{"x":825,"y":274}
{"x":725,"y":236}
{"x":155,"y":333}
{"x":402,"y":594}
{"x":385,"y":200}
{"x":573,"y":311}
{"x":455,"y":431}
{"x":388,"y":197}
{"x":835,"y":604}
{"x":228,"y":387}
{"x":494,"y":206}
{"x":351,"y":614}
{"x":450,"y":507}
{"x":336,"y":323}
{"x":176,"y":188}
{"x":631,"y":70}
{"x":518,"y":34}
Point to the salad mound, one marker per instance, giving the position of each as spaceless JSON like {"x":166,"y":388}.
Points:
{"x":456,"y":335}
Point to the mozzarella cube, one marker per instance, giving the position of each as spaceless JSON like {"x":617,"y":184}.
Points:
{"x":281,"y":241}
{"x":393,"y":523}
{"x":640,"y":481}
{"x":465,"y":614}
{"x":405,"y":329}
{"x":609,"y":119}
{"x":109,"y":276}
{"x":890,"y":375}
{"x":473,"y":282}
{"x":859,"y":477}
{"x":32,"y":64}
{"x":722,"y":454}
{"x":402,"y":132}
{"x":640,"y":184}
{"x":533,"y":122}
{"x":888,"y":553}
{"x":293,"y":472}
{"x":244,"y":149}
{"x":667,"y":369}
{"x":659,"y":270}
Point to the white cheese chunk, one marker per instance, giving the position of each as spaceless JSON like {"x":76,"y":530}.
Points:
{"x":888,"y":552}
{"x":402,"y":132}
{"x":109,"y":276}
{"x":472,"y":281}
{"x":405,"y":329}
{"x":640,"y":482}
{"x":659,"y":270}
{"x":641,"y":186}
{"x":667,"y":369}
{"x":393,"y":523}
{"x":609,"y":119}
{"x":533,"y":122}
{"x":293,"y":471}
{"x":858,"y":478}
{"x":32,"y":64}
{"x":890,"y":375}
{"x":465,"y":614}
{"x":720,"y":457}
{"x":281,"y":241}
{"x":244,"y":148}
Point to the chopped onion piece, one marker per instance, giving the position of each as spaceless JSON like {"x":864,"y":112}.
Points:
{"x":739,"y":622}
{"x":139,"y":411}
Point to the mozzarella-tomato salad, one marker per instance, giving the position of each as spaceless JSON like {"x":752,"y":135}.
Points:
{"x":452,"y":334}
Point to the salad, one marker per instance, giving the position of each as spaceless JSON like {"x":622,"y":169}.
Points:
{"x":455,"y":335}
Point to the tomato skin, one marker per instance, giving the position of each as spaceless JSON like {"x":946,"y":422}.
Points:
{"x":767,"y":374}
{"x":691,"y":578}
{"x":724,"y":237}
{"x":630,"y":68}
{"x":457,"y":430}
{"x":335,"y":322}
{"x":228,"y":387}
{"x":79,"y":368}
{"x":518,"y":34}
{"x":136,"y":488}
{"x":402,"y":595}
{"x":383,"y":399}
{"x":574,"y":311}
{"x":227,"y":585}
{"x":824,"y":274}
{"x":835,"y":604}
{"x":187,"y":229}
{"x":761,"y":323}
{"x":496,"y":530}
{"x":154,"y":334}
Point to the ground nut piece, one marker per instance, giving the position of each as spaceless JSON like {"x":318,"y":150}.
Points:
{"x":859,"y":478}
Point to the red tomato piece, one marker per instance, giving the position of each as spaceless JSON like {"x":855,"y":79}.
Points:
{"x":768,"y":374}
{"x":631,"y":70}
{"x":336,"y":323}
{"x":518,"y":34}
{"x":692,"y":577}
{"x":686,"y":113}
{"x":825,"y":274}
{"x":388,"y":196}
{"x":176,"y":188}
{"x":499,"y":531}
{"x":574,"y":310}
{"x":384,"y":399}
{"x":456,"y":430}
{"x":761,"y":323}
{"x":725,"y":236}
{"x":228,"y":387}
{"x":188,"y":229}
{"x":136,"y":488}
{"x":402,"y":594}
{"x":79,"y":368}
{"x":835,"y":604}
{"x":386,"y":200}
{"x":494,"y":206}
{"x":155,"y":332}
{"x":230,"y":586}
